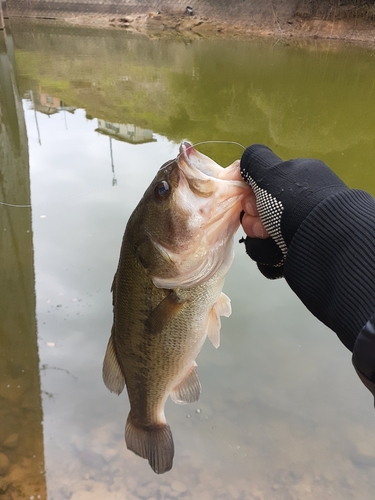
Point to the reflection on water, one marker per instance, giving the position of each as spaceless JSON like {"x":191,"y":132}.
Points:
{"x":21,"y":437}
{"x":125,"y":132}
{"x":282,"y":414}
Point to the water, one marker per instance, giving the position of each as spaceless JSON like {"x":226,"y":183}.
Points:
{"x":282,"y":414}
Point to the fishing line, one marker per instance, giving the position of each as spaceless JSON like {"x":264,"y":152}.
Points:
{"x":199,"y":144}
{"x":219,"y":142}
{"x":85,"y":193}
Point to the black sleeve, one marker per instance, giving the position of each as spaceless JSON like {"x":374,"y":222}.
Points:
{"x":364,"y":354}
{"x":330,"y":265}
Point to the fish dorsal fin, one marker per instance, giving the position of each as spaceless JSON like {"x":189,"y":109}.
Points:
{"x":187,"y":391}
{"x":221,"y":308}
{"x":112,"y":374}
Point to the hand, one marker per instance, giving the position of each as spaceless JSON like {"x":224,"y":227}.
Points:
{"x":265,"y":253}
{"x":284,"y":195}
{"x":251,"y":222}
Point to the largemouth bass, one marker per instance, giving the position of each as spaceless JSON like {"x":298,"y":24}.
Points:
{"x":167,"y":293}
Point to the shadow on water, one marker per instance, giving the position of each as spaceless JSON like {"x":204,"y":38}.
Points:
{"x":21,"y":432}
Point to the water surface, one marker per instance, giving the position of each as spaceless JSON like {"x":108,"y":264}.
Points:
{"x":87,"y":119}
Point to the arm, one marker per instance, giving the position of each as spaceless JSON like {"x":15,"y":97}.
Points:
{"x":322,"y":240}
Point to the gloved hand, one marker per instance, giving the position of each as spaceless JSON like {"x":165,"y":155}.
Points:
{"x":286,"y":192}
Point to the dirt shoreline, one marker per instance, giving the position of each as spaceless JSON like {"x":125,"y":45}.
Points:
{"x":155,"y":24}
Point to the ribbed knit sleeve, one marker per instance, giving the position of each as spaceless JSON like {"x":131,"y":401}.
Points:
{"x":364,"y":354}
{"x":330,"y":263}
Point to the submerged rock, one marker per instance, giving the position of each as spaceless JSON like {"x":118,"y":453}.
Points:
{"x":11,"y":441}
{"x":4,"y":464}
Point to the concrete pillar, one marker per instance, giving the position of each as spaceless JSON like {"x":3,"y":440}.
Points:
{"x":2,"y":24}
{"x":21,"y":414}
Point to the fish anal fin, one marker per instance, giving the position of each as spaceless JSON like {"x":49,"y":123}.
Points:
{"x":165,"y":310}
{"x":112,"y":374}
{"x":221,"y":308}
{"x":189,"y":390}
{"x":153,"y":442}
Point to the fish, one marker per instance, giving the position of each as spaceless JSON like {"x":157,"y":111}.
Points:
{"x":167,"y":293}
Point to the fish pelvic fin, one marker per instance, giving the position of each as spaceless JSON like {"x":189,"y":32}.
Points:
{"x":153,"y":442}
{"x":112,"y":374}
{"x":189,"y":390}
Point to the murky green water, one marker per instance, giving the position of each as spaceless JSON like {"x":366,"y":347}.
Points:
{"x":282,"y":414}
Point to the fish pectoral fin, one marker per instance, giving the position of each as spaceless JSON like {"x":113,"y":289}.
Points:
{"x":112,"y":374}
{"x":221,"y":308}
{"x":213,"y":327}
{"x":163,"y":312}
{"x":189,"y":390}
{"x":154,"y":442}
{"x":223,"y":305}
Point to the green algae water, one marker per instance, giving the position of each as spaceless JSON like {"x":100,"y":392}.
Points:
{"x":86,"y":119}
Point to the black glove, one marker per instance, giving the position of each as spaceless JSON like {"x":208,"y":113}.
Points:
{"x":286,"y":192}
{"x":325,"y":237}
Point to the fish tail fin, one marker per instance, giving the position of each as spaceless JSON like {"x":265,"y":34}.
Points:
{"x":154,"y":442}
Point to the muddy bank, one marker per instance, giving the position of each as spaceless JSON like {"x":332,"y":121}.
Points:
{"x":298,"y":26}
{"x":283,"y":19}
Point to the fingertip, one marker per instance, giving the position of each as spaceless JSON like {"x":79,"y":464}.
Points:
{"x":260,"y":231}
{"x":253,"y":227}
{"x":235,"y":173}
{"x":249,"y":204}
{"x":247,"y":224}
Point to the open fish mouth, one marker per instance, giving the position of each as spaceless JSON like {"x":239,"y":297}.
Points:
{"x":208,"y":199}
{"x":216,"y":190}
{"x":196,"y":165}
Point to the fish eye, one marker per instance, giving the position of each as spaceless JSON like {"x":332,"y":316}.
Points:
{"x":162,"y":191}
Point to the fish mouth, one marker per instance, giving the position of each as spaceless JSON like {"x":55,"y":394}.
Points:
{"x":208,"y":198}
{"x":197,"y":165}
{"x":207,"y":179}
